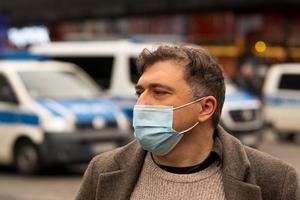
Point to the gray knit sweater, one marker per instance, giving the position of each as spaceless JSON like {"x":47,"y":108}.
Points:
{"x":155,"y":183}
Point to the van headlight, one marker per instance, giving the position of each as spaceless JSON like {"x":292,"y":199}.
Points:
{"x":57,"y":125}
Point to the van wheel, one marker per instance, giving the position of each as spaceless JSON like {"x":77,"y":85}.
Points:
{"x":27,"y":158}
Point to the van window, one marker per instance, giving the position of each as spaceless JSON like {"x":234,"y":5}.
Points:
{"x":99,"y":68}
{"x":6,"y":92}
{"x":134,"y":75}
{"x":290,"y":82}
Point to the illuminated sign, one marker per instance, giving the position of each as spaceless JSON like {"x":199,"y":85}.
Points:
{"x":22,"y":37}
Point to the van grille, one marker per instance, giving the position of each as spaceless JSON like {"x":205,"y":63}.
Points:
{"x":243,"y":115}
{"x":89,"y":125}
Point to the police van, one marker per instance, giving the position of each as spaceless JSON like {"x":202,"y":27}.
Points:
{"x":112,"y":65}
{"x":242,"y":115}
{"x":54,"y":113}
{"x":282,"y":100}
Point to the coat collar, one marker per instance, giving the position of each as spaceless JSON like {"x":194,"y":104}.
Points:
{"x":239,"y":182}
{"x":122,"y":179}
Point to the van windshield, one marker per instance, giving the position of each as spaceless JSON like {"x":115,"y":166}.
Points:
{"x":58,"y":84}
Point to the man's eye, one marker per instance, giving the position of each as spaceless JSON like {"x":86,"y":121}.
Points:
{"x":159,"y":92}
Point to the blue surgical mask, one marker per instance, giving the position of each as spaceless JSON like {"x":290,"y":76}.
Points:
{"x":153,"y":127}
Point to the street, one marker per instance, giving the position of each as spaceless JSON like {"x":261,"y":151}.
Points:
{"x":57,"y":185}
{"x":62,"y":184}
{"x":288,"y":152}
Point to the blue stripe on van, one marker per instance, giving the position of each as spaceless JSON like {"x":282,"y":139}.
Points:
{"x":128,"y":112}
{"x":19,"y":118}
{"x":47,"y":104}
{"x":239,"y":96}
{"x":88,"y":109}
{"x":82,"y":109}
{"x":276,"y":101}
{"x":126,"y":104}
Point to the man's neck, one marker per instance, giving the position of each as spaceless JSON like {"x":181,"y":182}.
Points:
{"x":193,"y":148}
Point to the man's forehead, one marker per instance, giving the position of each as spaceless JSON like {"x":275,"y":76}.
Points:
{"x":163,"y":70}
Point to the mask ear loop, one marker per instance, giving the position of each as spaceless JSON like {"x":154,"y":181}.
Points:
{"x":189,"y":128}
{"x":185,"y":106}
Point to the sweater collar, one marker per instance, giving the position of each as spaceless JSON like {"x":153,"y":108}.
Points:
{"x":231,"y":153}
{"x":238,"y":182}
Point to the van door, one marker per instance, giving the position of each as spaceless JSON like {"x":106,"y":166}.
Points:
{"x":286,"y":104}
{"x":8,"y":118}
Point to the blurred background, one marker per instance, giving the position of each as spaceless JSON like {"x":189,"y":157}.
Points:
{"x":54,"y":115}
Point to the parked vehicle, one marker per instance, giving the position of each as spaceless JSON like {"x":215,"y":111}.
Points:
{"x":282,"y":99}
{"x":53,"y":113}
{"x":242,"y":115}
{"x":112,"y":65}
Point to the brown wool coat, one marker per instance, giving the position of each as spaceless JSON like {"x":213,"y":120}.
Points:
{"x":247,"y":174}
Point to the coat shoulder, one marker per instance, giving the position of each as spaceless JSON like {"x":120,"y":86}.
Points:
{"x":108,"y":163}
{"x":114,"y":159}
{"x":272,"y":173}
{"x":264,"y":161}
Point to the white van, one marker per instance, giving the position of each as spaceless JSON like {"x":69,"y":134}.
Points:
{"x":282,"y":99}
{"x":112,"y":65}
{"x":54,"y":113}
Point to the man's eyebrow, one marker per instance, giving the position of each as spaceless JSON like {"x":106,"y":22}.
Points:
{"x":138,"y":87}
{"x":154,"y":85}
{"x":157,"y":85}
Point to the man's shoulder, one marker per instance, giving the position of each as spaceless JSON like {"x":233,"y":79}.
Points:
{"x":114,"y":159}
{"x":274,"y":176}
{"x":259,"y":161}
{"x":265,"y":162}
{"x":272,"y":173}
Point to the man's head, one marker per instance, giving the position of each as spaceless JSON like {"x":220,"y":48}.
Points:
{"x":195,"y":74}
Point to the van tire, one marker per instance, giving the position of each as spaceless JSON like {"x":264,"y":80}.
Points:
{"x":27,"y":158}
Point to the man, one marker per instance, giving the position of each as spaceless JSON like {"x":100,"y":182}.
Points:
{"x":180,"y":152}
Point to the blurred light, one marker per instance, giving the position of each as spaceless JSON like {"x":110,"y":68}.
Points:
{"x":21,"y":37}
{"x":260,"y":47}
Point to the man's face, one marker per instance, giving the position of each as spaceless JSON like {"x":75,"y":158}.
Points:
{"x":163,"y":83}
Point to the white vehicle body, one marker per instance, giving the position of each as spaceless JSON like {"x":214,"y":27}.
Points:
{"x":120,"y":51}
{"x":61,"y":127}
{"x":123,"y":77}
{"x":282,"y":98}
{"x":242,"y":115}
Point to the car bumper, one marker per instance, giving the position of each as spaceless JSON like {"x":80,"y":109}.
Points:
{"x":79,"y":147}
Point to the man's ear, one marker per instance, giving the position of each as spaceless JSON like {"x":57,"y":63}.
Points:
{"x":209,"y":106}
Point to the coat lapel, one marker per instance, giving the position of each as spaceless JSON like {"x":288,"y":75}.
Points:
{"x":237,"y":190}
{"x":110,"y":183}
{"x":239,"y":182}
{"x":121,"y":182}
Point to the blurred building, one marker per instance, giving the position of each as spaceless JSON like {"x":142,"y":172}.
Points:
{"x":236,"y":32}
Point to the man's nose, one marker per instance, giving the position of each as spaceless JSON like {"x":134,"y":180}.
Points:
{"x":144,"y":99}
